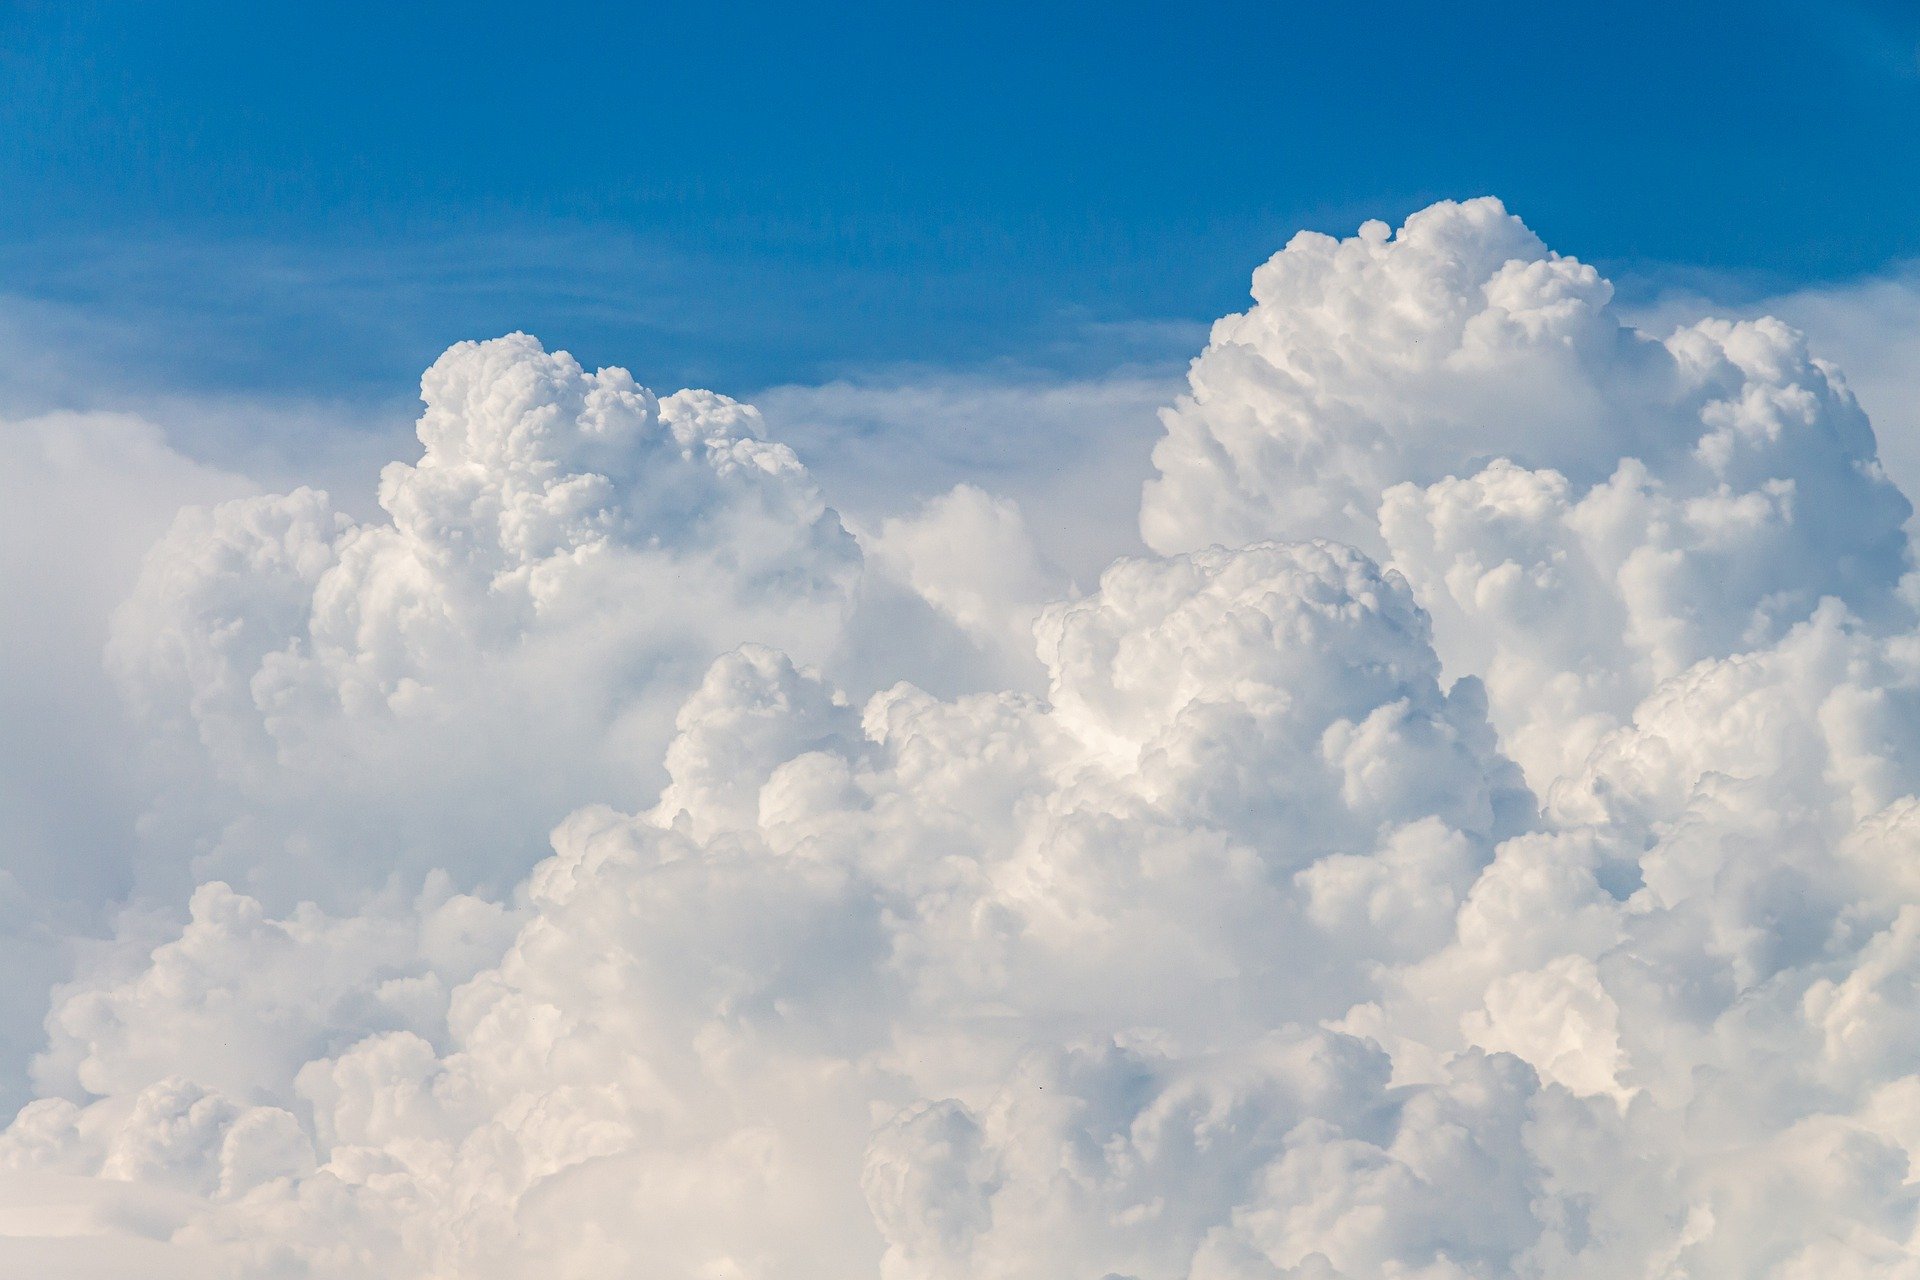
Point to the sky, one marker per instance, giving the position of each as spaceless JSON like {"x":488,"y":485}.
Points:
{"x":743,"y":195}
{"x":1259,"y":643}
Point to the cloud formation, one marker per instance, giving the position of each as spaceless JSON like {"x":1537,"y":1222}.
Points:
{"x":1585,"y":509}
{"x":330,"y":701}
{"x":1477,"y":842}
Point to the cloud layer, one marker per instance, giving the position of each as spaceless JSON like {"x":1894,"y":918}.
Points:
{"x":1478,"y":841}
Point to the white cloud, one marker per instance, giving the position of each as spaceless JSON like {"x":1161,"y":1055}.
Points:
{"x":82,"y":496}
{"x":712,"y":1001}
{"x":1478,"y":842}
{"x":1869,"y":328}
{"x":1071,"y":453}
{"x":1585,"y":509}
{"x":333,"y":700}
{"x":972,"y":557}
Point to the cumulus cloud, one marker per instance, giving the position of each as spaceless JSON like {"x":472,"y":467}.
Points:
{"x":1477,"y":842}
{"x":1870,"y":328}
{"x":332,"y":700}
{"x":830,"y":910}
{"x":1586,"y":509}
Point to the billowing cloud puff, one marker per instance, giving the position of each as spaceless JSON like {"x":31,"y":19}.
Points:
{"x":1586,"y":510}
{"x":556,"y":569}
{"x":1391,"y":359}
{"x":1480,"y":843}
{"x":1245,"y":771}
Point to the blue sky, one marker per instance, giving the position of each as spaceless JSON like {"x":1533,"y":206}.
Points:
{"x":316,"y":199}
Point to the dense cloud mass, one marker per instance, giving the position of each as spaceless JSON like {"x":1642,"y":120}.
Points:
{"x":1480,"y":840}
{"x":1585,"y":510}
{"x":566,"y":556}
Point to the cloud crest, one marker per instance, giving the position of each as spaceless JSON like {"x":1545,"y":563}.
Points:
{"x":1585,"y":509}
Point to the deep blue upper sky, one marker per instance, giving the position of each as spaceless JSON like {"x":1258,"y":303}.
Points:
{"x":319,"y":197}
